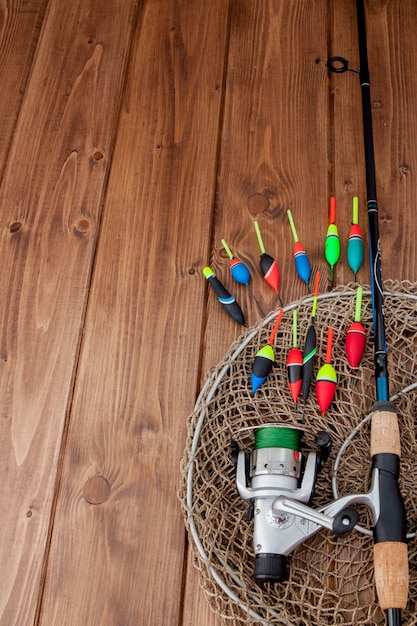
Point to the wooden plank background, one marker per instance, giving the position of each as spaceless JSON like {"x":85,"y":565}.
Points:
{"x":135,"y":135}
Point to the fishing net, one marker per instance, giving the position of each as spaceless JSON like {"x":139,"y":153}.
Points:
{"x":330,"y":579}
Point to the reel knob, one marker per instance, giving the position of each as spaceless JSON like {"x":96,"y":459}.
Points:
{"x":270,"y":568}
{"x":324,"y":442}
{"x":345,"y":521}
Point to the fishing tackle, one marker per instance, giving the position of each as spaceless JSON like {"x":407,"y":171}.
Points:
{"x":269,"y":477}
{"x":332,"y":243}
{"x":239,"y":270}
{"x":390,"y":520}
{"x":310,"y":346}
{"x":356,"y":335}
{"x":302,"y":264}
{"x":229,"y":303}
{"x":295,"y":363}
{"x":355,"y":243}
{"x":278,"y":482}
{"x":326,"y":378}
{"x":241,"y":274}
{"x":264,"y":358}
{"x":268,"y":265}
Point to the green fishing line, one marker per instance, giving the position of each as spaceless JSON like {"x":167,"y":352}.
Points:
{"x":270,"y":437}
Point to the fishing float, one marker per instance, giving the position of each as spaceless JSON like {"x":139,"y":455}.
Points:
{"x":326,"y":380}
{"x":229,"y":303}
{"x":295,"y":362}
{"x":332,"y":243}
{"x":241,"y":274}
{"x":264,"y":358}
{"x":355,"y":241}
{"x":269,"y":266}
{"x":302,"y":264}
{"x":356,"y":335}
{"x":310,"y":346}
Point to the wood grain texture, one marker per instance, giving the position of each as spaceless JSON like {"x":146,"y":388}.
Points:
{"x":135,"y":135}
{"x":50,"y":207}
{"x":139,"y":367}
{"x":20,"y":24}
{"x":395,"y":125}
{"x":274,"y":152}
{"x":274,"y":143}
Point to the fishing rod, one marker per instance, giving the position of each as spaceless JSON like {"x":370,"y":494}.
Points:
{"x":390,"y":548}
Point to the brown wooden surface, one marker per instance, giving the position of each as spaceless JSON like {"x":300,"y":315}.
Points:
{"x":135,"y":135}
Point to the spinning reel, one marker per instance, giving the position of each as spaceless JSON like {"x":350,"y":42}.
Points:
{"x":278,"y":482}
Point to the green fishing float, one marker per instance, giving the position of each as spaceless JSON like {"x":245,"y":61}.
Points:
{"x":332,"y":243}
{"x":355,"y":251}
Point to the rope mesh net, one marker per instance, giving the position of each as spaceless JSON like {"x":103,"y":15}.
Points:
{"x":330,"y":579}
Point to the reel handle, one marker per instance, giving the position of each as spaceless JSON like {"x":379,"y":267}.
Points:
{"x":390,"y":548}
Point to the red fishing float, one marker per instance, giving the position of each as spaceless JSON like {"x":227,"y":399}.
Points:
{"x":295,"y":363}
{"x":269,"y":266}
{"x":356,"y":335}
{"x":326,"y":378}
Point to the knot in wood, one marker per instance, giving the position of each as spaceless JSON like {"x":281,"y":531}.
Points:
{"x":15,"y":226}
{"x":404,"y":170}
{"x":258,"y":203}
{"x":96,"y":490}
{"x":82,"y":227}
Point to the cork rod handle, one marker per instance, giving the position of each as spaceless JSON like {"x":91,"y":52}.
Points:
{"x":390,"y":548}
